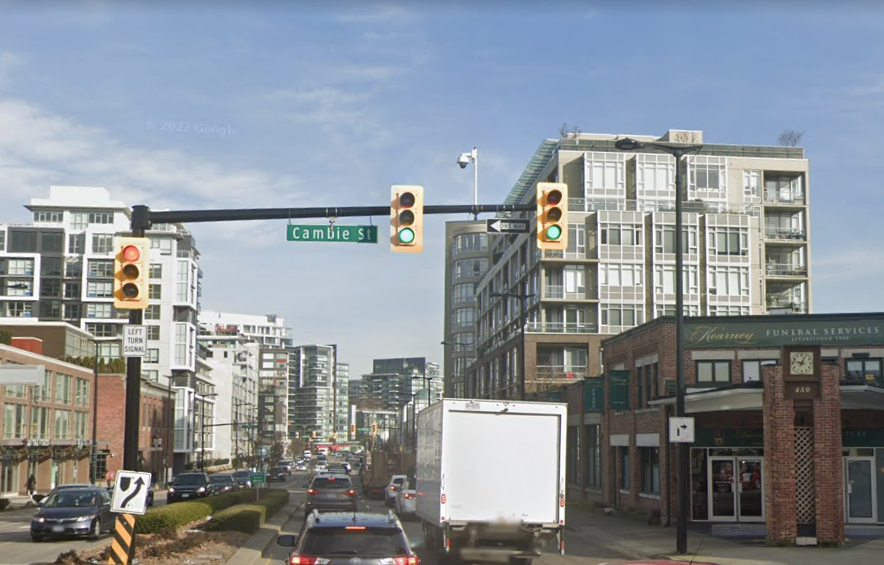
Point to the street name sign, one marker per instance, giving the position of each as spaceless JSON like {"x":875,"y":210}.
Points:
{"x":507,"y":226}
{"x":134,"y":341}
{"x":130,"y":492}
{"x":681,"y":430}
{"x":332,"y":233}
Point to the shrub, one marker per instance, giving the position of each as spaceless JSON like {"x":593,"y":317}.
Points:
{"x":245,"y":518}
{"x":171,"y":516}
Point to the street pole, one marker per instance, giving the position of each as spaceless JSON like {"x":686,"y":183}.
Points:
{"x":523,"y":316}
{"x":203,"y":435}
{"x":476,"y":181}
{"x":93,"y":447}
{"x":140,"y":221}
{"x":170,"y":434}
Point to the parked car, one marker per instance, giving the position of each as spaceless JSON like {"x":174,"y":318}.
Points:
{"x":243,"y":478}
{"x":406,"y":499}
{"x":392,"y":489}
{"x":329,"y":493}
{"x":376,"y":539}
{"x":276,"y":474}
{"x":77,"y":512}
{"x":87,"y":485}
{"x":223,"y":483}
{"x":188,"y":486}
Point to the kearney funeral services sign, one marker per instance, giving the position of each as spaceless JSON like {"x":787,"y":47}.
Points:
{"x":778,"y":331}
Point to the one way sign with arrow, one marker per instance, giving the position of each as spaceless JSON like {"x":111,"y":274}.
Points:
{"x":130,"y":492}
{"x":507,"y":226}
{"x":681,"y":430}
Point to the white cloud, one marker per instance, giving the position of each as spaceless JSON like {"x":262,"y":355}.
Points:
{"x":9,"y":60}
{"x":38,"y":148}
{"x":874,"y":88}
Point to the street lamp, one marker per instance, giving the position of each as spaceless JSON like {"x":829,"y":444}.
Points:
{"x":464,"y":160}
{"x":203,"y":430}
{"x":681,"y":451}
{"x":522,"y":321}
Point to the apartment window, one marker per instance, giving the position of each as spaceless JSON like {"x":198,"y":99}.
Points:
{"x":80,"y":423}
{"x":73,"y":268}
{"x":19,"y":267}
{"x":16,"y":391}
{"x":101,"y":268}
{"x":2,"y":240}
{"x":63,"y":388}
{"x":650,"y":462}
{"x":613,"y":274}
{"x":656,"y":173}
{"x":593,"y":456}
{"x":20,"y":288}
{"x":62,"y":423}
{"x":153,"y":333}
{"x":729,"y":281}
{"x":664,"y":240}
{"x":714,"y":372}
{"x":752,"y":369}
{"x":156,"y":270}
{"x":865,"y":371}
{"x":622,"y":315}
{"x":730,"y":241}
{"x":100,"y":289}
{"x":623,"y":453}
{"x":101,"y":217}
{"x":102,"y":243}
{"x":726,"y":310}
{"x":73,"y":311}
{"x":647,"y":384}
{"x":99,"y":310}
{"x":155,"y":291}
{"x":39,"y":422}
{"x":13,"y":421}
{"x":464,"y":317}
{"x":152,"y":312}
{"x":577,"y":240}
{"x":706,"y":174}
{"x":664,"y":279}
{"x":52,"y":242}
{"x":604,"y":171}
{"x":465,"y":292}
{"x":470,"y":267}
{"x":82,"y":399}
{"x":77,"y":243}
{"x":163,"y":244}
{"x":44,"y":390}
{"x":471,"y":242}
{"x":153,"y":356}
{"x":50,"y":266}
{"x":72,"y":290}
{"x":19,"y":309}
{"x":50,"y":288}
{"x":621,"y":235}
{"x":751,"y":184}
{"x":22,"y":241}
{"x":151,"y":375}
{"x":79,"y":220}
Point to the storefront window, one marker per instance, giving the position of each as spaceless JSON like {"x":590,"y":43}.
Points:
{"x":593,"y":457}
{"x":624,"y":468}
{"x":650,"y":460}
{"x":865,"y":371}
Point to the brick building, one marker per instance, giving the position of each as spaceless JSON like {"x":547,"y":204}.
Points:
{"x":789,"y":420}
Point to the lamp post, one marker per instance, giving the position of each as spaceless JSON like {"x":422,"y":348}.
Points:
{"x":681,"y":452}
{"x":464,"y":160}
{"x":203,"y":430}
{"x":522,"y":321}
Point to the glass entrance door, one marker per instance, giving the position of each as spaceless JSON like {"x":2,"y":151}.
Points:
{"x":750,"y":486}
{"x":722,"y":491}
{"x":860,"y":489}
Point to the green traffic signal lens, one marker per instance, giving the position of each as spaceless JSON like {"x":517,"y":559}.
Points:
{"x":553,"y":233}
{"x":406,"y":235}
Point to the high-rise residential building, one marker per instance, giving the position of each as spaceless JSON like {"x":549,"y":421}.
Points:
{"x":746,"y":251}
{"x":466,"y":262}
{"x":396,"y":380}
{"x":342,"y":401}
{"x":61,"y":267}
{"x":312,"y":390}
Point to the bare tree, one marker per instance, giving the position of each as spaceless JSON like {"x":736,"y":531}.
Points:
{"x":790,"y":138}
{"x":685,"y":137}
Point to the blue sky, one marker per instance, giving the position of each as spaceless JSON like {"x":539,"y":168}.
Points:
{"x":332,"y":105}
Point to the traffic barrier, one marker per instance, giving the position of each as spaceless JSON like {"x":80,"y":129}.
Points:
{"x":123,"y":546}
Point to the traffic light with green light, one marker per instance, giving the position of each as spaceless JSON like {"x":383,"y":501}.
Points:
{"x":131,"y":262}
{"x":552,"y":215}
{"x":407,"y":218}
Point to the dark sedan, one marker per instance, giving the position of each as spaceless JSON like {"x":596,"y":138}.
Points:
{"x":224,"y":483}
{"x":78,"y":512}
{"x":243,"y":478}
{"x":276,"y":474}
{"x":188,"y":486}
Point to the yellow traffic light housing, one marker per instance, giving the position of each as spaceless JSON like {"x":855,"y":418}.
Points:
{"x":407,"y":218}
{"x":374,"y":429}
{"x":552,"y":215}
{"x":131,"y":262}
{"x":352,"y":429}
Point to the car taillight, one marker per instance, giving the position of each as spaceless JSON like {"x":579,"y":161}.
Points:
{"x":312,"y":491}
{"x":393,"y":487}
{"x":351,"y":492}
{"x":307,"y":560}
{"x":407,"y":560}
{"x":408,"y":495}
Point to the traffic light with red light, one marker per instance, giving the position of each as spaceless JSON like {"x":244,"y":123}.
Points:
{"x":407,"y":219}
{"x":552,"y":215}
{"x":131,"y":262}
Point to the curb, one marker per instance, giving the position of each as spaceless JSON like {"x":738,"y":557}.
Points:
{"x":256,"y":546}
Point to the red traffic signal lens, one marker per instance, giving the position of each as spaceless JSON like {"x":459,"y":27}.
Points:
{"x":131,"y":253}
{"x":406,"y":200}
{"x":130,"y":290}
{"x":554,"y":197}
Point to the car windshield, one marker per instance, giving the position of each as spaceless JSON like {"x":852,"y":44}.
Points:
{"x":71,"y":499}
{"x":398,"y":480}
{"x":242,"y":474}
{"x":221,"y":479}
{"x":189,"y":480}
{"x":369,"y":542}
{"x":330,"y":483}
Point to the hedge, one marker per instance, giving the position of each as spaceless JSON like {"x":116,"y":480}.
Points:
{"x":182,"y":513}
{"x":249,"y":517}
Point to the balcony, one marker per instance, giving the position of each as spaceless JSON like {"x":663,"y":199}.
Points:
{"x":781,"y":234}
{"x":557,"y":291}
{"x":561,"y":372}
{"x":560,"y":328}
{"x":786,"y":198}
{"x":785,"y":270}
{"x":777,"y":303}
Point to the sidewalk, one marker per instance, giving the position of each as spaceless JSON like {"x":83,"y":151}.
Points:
{"x":629,"y":536}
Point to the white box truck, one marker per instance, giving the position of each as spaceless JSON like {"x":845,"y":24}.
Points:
{"x":491,"y":478}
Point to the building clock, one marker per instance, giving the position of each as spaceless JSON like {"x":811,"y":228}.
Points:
{"x":801,"y":363}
